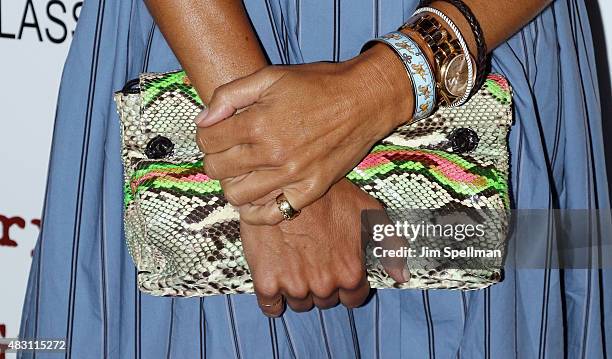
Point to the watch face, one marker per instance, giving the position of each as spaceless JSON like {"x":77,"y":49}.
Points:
{"x":455,"y":76}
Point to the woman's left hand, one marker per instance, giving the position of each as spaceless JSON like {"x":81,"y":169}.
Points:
{"x":301,"y":128}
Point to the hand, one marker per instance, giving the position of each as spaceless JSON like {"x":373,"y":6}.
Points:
{"x":316,"y":259}
{"x":301,"y":128}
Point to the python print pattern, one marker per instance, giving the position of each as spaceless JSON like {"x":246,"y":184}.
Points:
{"x":184,"y":237}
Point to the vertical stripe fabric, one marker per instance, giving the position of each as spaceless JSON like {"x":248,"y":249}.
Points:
{"x":82,"y":281}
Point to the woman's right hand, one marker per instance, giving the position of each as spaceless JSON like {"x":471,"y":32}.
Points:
{"x":317,"y":258}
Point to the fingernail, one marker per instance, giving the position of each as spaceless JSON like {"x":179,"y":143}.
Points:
{"x":406,"y":274}
{"x":201,"y":116}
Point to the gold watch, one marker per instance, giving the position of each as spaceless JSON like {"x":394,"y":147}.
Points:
{"x":451,"y":67}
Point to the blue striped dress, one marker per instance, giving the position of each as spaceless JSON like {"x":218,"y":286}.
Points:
{"x":82,"y":282}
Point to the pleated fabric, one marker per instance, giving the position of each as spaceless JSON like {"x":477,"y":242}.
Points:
{"x":82,"y":282}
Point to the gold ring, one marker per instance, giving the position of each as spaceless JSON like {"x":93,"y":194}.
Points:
{"x":275,"y":303}
{"x":285,"y":208}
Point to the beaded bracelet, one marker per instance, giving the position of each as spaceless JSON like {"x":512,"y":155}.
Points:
{"x":464,"y":48}
{"x":418,"y":69}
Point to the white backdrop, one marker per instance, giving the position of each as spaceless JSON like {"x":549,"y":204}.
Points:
{"x":34,"y":41}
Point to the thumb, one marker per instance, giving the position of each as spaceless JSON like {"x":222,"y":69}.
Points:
{"x":235,"y":95}
{"x":377,"y":223}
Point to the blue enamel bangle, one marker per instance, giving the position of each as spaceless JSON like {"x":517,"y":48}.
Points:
{"x":418,"y":68}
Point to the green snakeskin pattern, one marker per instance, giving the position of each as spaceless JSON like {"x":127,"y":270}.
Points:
{"x":184,"y":237}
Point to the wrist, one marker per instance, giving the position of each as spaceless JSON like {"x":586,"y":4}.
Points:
{"x":384,"y":77}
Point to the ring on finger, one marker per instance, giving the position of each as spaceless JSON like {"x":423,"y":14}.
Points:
{"x":285,"y":208}
{"x":277,"y":301}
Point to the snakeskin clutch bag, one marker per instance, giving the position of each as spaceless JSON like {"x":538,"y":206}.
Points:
{"x":184,"y":237}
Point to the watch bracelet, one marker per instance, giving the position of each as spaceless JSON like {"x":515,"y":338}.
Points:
{"x":479,"y":39}
{"x":453,"y":32}
{"x":442,"y":45}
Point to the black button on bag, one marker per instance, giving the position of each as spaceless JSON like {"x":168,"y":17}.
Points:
{"x":464,"y":140}
{"x":159,"y":147}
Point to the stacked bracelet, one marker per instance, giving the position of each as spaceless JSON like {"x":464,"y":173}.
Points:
{"x":465,"y":57}
{"x":481,"y":56}
{"x":418,"y":69}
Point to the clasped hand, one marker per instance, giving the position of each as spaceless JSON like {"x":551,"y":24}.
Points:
{"x":292,"y":129}
{"x":298,"y":130}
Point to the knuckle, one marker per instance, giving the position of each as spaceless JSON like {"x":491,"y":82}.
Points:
{"x":233,"y":196}
{"x":311,"y":184}
{"x":267,"y":288}
{"x":220,"y":94}
{"x":265,"y":219}
{"x":323,"y":289}
{"x":251,"y":219}
{"x":352,"y":278}
{"x":202,"y":141}
{"x":319,"y":181}
{"x":210,"y":167}
{"x":297,"y":291}
{"x":292,"y":170}
{"x":311,"y":188}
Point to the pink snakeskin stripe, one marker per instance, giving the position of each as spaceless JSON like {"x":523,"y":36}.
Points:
{"x":447,"y":168}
